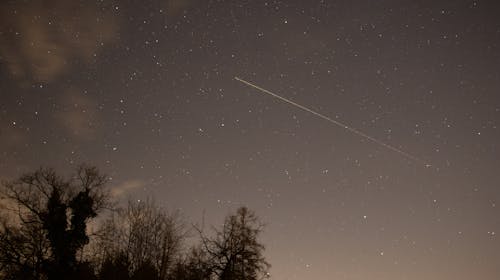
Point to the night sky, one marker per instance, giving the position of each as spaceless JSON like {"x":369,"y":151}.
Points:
{"x":145,"y":90}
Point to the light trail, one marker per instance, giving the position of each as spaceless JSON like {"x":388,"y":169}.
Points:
{"x":355,"y":131}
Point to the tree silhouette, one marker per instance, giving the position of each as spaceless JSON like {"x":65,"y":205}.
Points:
{"x":195,"y":266}
{"x":234,"y":253}
{"x":49,"y":228}
{"x":146,"y":271}
{"x":146,"y":234}
{"x":115,"y":268}
{"x":43,"y":233}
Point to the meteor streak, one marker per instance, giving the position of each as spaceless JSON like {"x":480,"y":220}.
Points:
{"x":355,"y":131}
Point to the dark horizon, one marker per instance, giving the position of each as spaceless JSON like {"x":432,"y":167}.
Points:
{"x":146,"y":92}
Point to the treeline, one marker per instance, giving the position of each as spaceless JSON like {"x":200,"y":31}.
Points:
{"x":49,"y":230}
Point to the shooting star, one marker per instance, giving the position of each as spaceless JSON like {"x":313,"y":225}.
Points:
{"x":335,"y":122}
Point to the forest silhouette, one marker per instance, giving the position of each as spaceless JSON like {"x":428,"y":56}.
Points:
{"x":54,"y":227}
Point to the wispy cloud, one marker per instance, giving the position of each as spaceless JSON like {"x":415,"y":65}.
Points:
{"x":40,"y":39}
{"x":174,"y":7}
{"x":78,"y":114}
{"x":127,"y":187}
{"x":11,"y":135}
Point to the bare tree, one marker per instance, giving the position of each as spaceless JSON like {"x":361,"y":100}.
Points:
{"x":235,"y":253}
{"x":146,"y":234}
{"x":23,"y":251}
{"x":51,"y":215}
{"x":194,"y":266}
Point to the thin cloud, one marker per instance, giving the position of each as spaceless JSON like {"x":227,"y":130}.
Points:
{"x":40,"y":39}
{"x":127,"y":187}
{"x":78,"y":114}
{"x":11,"y":135}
